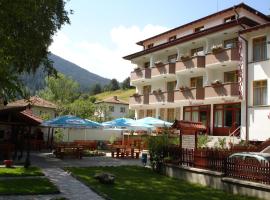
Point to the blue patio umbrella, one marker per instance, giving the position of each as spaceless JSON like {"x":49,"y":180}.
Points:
{"x":120,"y":122}
{"x":70,"y":121}
{"x":154,"y":121}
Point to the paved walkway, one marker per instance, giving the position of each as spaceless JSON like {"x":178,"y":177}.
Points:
{"x":69,"y":187}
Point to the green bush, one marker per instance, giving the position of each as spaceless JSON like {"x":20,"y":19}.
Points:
{"x":203,"y":140}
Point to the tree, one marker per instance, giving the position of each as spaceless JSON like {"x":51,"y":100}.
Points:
{"x":126,"y":84}
{"x":61,"y":90}
{"x":96,"y":89}
{"x":114,"y":85}
{"x":81,"y":108}
{"x":27,"y":28}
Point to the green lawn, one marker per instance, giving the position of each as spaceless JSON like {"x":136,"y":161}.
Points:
{"x":25,"y":186}
{"x":141,"y":183}
{"x":20,"y":171}
{"x":121,"y":94}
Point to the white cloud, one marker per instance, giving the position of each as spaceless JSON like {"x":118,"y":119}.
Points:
{"x":101,"y":59}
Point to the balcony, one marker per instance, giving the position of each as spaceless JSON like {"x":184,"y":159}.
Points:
{"x":139,"y":100}
{"x":163,"y":97}
{"x":223,"y":90}
{"x":140,"y":75}
{"x":222,"y":57}
{"x":189,"y":94}
{"x":197,"y":62}
{"x":162,"y":70}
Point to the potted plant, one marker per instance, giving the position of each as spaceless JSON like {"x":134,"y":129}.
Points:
{"x":185,"y":58}
{"x":217,"y":49}
{"x":136,"y":69}
{"x":183,"y":88}
{"x":159,"y":63}
{"x":216,"y":83}
{"x":8,"y":163}
{"x":136,"y":94}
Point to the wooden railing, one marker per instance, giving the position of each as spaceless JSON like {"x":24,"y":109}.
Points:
{"x":218,"y":160}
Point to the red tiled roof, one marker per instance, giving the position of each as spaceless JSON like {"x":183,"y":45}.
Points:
{"x":35,"y":101}
{"x":242,"y":20}
{"x":29,"y":115}
{"x":113,"y":100}
{"x":241,"y":5}
{"x":188,"y":125}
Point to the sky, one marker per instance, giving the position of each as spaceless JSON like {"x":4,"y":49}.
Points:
{"x":103,"y":31}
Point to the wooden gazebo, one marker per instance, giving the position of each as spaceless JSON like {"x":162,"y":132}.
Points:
{"x":189,"y":128}
{"x":17,"y":118}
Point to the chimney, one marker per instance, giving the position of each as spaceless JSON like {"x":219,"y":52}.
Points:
{"x":115,"y":98}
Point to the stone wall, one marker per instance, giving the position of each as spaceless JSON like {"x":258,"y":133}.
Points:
{"x":218,"y":181}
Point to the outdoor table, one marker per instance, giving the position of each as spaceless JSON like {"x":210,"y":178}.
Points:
{"x":75,"y":150}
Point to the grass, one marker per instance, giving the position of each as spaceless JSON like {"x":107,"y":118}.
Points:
{"x":121,"y":94}
{"x":20,"y":171}
{"x":27,"y":186}
{"x":142,"y":183}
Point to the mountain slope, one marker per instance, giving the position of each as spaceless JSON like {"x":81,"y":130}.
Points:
{"x":85,"y":78}
{"x":82,"y":76}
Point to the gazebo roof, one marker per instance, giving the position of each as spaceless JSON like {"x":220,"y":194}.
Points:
{"x":188,"y":125}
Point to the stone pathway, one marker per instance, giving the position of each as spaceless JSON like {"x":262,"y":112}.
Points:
{"x":70,"y":187}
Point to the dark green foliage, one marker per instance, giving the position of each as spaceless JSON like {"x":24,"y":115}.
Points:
{"x":27,"y":28}
{"x":114,"y":85}
{"x":126,"y":84}
{"x":135,"y":183}
{"x":96,"y":89}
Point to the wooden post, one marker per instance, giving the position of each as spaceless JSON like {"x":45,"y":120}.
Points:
{"x":27,"y":160}
{"x":196,"y":139}
{"x":48,"y":138}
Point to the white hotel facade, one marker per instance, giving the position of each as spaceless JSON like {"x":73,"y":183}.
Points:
{"x":215,"y":70}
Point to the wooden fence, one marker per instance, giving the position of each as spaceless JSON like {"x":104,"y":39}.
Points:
{"x":217,"y":160}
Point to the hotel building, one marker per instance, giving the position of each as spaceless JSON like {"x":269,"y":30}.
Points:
{"x":198,"y":72}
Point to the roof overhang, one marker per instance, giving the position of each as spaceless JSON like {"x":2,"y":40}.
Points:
{"x":242,"y":20}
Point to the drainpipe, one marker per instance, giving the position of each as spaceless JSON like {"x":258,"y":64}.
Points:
{"x":246,"y":87}
{"x":246,"y":73}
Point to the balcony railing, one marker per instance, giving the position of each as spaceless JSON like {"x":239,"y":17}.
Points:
{"x":194,"y":62}
{"x":189,"y":94}
{"x":227,"y":89}
{"x":162,"y":97}
{"x":168,"y":68}
{"x":223,"y":55}
{"x":140,"y":74}
{"x":139,"y":99}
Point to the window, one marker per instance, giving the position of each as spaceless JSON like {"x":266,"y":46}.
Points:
{"x":150,"y":113}
{"x":170,"y":114}
{"x":111,"y":108}
{"x":231,"y":77}
{"x":259,"y":49}
{"x":162,"y":113}
{"x":260,"y":92}
{"x":199,"y":29}
{"x":141,"y":114}
{"x":122,"y":109}
{"x":146,"y":64}
{"x":150,"y":45}
{"x":197,"y":51}
{"x":228,"y":19}
{"x":227,"y":115}
{"x":231,"y":43}
{"x":172,"y":58}
{"x":196,"y":82}
{"x":191,"y":113}
{"x":172,"y":38}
